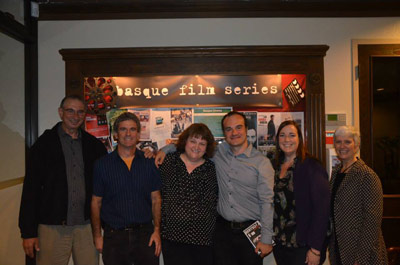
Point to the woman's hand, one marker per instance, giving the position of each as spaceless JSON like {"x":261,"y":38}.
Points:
{"x":313,"y":256}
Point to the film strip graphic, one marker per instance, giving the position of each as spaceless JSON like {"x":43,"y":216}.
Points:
{"x":294,"y":93}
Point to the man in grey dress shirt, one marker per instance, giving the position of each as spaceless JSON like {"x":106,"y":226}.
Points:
{"x":245,"y":181}
{"x":55,"y":205}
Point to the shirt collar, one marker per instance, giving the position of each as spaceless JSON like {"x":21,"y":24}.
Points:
{"x":247,"y":151}
{"x":138,"y":154}
{"x":63,"y":134}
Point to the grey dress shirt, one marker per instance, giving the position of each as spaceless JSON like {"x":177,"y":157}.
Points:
{"x":245,"y":184}
{"x":72,"y":149}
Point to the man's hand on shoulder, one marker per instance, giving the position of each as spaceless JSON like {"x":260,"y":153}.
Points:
{"x":148,"y":153}
{"x":265,"y":249}
{"x":29,"y":245}
{"x":156,"y":239}
{"x":160,"y":158}
{"x":98,"y":243}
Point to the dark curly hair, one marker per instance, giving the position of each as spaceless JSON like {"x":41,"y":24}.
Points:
{"x":197,"y":130}
{"x":301,"y":150}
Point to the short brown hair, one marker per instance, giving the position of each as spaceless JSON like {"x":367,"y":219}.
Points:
{"x":197,"y":130}
{"x":126,"y":116}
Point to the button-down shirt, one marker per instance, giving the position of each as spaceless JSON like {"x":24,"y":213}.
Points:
{"x":189,"y":201}
{"x":245,"y":184}
{"x":126,"y":194}
{"x":72,"y":149}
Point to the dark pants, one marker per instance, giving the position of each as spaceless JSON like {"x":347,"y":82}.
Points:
{"x":293,"y":256}
{"x":130,"y":246}
{"x":231,"y":246}
{"x":175,"y":253}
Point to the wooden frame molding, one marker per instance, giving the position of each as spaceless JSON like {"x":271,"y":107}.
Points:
{"x":365,"y":54}
{"x":233,"y":60}
{"x":139,"y":9}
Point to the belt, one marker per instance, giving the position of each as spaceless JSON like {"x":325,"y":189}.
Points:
{"x":234,"y":225}
{"x":130,"y":227}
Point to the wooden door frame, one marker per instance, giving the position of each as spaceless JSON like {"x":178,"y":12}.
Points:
{"x":365,"y":54}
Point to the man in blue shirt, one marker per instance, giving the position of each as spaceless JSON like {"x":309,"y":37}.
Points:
{"x":126,"y":201}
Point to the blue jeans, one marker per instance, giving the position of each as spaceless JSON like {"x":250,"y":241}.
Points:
{"x":129,"y":246}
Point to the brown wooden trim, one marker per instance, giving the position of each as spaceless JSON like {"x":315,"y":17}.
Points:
{"x":14,"y":29}
{"x":10,"y":183}
{"x":365,"y":54}
{"x":190,"y":52}
{"x":236,"y":60}
{"x":68,"y":10}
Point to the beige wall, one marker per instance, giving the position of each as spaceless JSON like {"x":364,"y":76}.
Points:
{"x":12,"y":146}
{"x":11,"y":252}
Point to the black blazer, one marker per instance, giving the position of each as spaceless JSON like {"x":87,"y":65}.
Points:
{"x":312,"y":197}
{"x":45,"y":191}
{"x":358,"y":212}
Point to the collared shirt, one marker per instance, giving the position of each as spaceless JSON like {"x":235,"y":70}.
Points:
{"x":72,"y":149}
{"x":126,"y":194}
{"x":245,"y":184}
{"x":189,"y":201}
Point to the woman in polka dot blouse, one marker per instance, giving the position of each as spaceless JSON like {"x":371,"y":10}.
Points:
{"x":356,"y":206}
{"x":189,"y":199}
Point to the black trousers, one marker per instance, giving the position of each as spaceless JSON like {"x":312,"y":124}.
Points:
{"x":130,"y":246}
{"x":293,"y":256}
{"x":175,"y":253}
{"x":231,"y":247}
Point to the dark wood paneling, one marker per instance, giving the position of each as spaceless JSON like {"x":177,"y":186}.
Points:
{"x":134,"y":9}
{"x":391,"y":203}
{"x":365,"y":54}
{"x":238,"y":60}
{"x":14,"y":29}
{"x":31,"y":79}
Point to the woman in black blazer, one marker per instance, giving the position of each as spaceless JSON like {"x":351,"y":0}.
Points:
{"x":356,"y":206}
{"x":301,"y":201}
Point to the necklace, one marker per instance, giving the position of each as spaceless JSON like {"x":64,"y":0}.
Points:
{"x":347,"y":168}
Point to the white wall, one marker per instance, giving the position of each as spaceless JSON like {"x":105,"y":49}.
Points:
{"x":335,"y":32}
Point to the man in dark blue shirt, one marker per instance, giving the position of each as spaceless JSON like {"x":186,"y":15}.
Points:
{"x":126,"y":200}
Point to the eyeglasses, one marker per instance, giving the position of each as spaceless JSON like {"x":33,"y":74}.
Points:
{"x":72,"y":112}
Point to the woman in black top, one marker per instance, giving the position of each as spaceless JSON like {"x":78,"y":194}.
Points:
{"x":189,"y":199}
{"x":301,"y":201}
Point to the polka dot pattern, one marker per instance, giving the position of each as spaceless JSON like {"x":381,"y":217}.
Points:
{"x":189,"y":201}
{"x":357,"y":213}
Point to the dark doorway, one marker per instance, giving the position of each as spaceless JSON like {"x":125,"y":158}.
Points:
{"x":379,"y":80}
{"x":386,"y":121}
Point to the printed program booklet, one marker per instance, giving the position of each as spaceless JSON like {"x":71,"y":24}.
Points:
{"x":253,"y":233}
